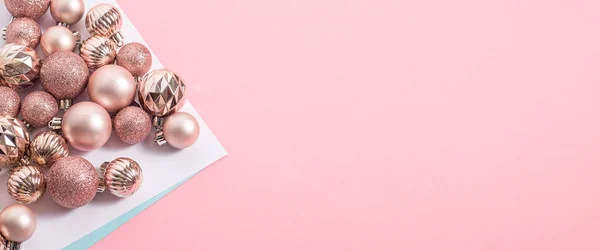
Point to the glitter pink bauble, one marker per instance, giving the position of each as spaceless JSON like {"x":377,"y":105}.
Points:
{"x":72,"y":182}
{"x":132,"y":125}
{"x":10,"y":102}
{"x":64,"y":75}
{"x":39,"y":108}
{"x":24,"y":31}
{"x":136,"y":58}
{"x":27,"y":8}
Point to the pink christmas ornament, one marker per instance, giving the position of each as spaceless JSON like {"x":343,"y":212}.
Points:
{"x":86,"y":126}
{"x":39,"y":108}
{"x":10,"y":102}
{"x":113,"y":87}
{"x":33,"y":9}
{"x":132,"y":125}
{"x":64,"y":75}
{"x":23,"y":31}
{"x":67,"y":12}
{"x":136,"y":58}
{"x":72,"y":182}
{"x":58,"y":38}
{"x":181,"y":130}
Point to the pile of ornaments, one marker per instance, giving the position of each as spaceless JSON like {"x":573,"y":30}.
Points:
{"x":124,"y":98}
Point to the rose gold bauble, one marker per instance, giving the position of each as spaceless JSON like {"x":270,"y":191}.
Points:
{"x":136,"y":58}
{"x":72,"y":182}
{"x":98,"y":51}
{"x":14,"y":140}
{"x":46,"y":148}
{"x":132,"y":125}
{"x":64,"y":75}
{"x":23,"y":31}
{"x":161,"y":92}
{"x":26,"y":184}
{"x":57,"y":38}
{"x":181,"y":130}
{"x":67,"y":11}
{"x":38,"y":108}
{"x":105,"y":20}
{"x":113,"y":87}
{"x":86,"y":126}
{"x":10,"y":102}
{"x":17,"y":223}
{"x":19,"y":66}
{"x":122,"y":177}
{"x":27,"y":8}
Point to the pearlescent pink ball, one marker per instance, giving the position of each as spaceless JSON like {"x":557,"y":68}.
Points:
{"x":33,"y":9}
{"x":132,"y":125}
{"x":181,"y":130}
{"x":72,"y":182}
{"x":39,"y":108}
{"x":113,"y":87}
{"x":136,"y":58}
{"x":10,"y":102}
{"x":57,"y":38}
{"x":86,"y":126}
{"x":17,"y":223}
{"x":64,"y":75}
{"x":67,"y":11}
{"x":24,"y":31}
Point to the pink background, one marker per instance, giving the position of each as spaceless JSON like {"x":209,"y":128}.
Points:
{"x":373,"y":124}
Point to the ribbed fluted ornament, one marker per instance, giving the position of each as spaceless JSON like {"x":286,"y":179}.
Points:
{"x":46,"y":148}
{"x":98,"y":51}
{"x":122,"y":176}
{"x":19,"y":66}
{"x":14,"y":140}
{"x":105,"y":20}
{"x":26,"y":184}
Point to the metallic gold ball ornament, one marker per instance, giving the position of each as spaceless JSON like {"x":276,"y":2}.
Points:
{"x":86,"y":126}
{"x":46,"y":148}
{"x":67,"y":12}
{"x":64,"y":75}
{"x":161,"y":92}
{"x":98,"y":51}
{"x":17,"y":224}
{"x":14,"y":140}
{"x":23,"y":31}
{"x":19,"y":66}
{"x":38,"y":108}
{"x":122,"y":176}
{"x":10,"y":102}
{"x":136,"y":58}
{"x":58,"y":38}
{"x":72,"y":182}
{"x":105,"y":20}
{"x":33,"y":9}
{"x":26,"y":184}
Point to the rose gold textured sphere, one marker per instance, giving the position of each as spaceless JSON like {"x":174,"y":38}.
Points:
{"x":26,"y":184}
{"x":10,"y":102}
{"x":57,"y":38}
{"x":122,"y":176}
{"x":161,"y":92}
{"x":19,"y":66}
{"x":27,"y":8}
{"x":86,"y":126}
{"x":113,"y":87}
{"x":181,"y":130}
{"x":46,"y":148}
{"x":132,"y":125}
{"x":64,"y":75}
{"x":24,"y":31}
{"x":136,"y":58}
{"x":67,"y":11}
{"x":105,"y":20}
{"x":72,"y":182}
{"x":14,"y":140}
{"x":17,"y":223}
{"x":39,"y":108}
{"x":98,"y":51}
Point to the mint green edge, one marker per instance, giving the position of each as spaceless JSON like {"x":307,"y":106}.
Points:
{"x":90,"y":239}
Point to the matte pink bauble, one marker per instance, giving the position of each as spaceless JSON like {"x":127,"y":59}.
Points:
{"x":86,"y":126}
{"x":113,"y":87}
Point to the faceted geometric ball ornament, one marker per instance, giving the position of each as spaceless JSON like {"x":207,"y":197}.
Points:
{"x":14,"y":140}
{"x":161,"y":92}
{"x":19,"y":66}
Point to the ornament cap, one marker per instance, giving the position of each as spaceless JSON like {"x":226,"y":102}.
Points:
{"x":102,"y":183}
{"x":65,"y":104}
{"x":118,"y":39}
{"x":55,"y":123}
{"x":66,"y":25}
